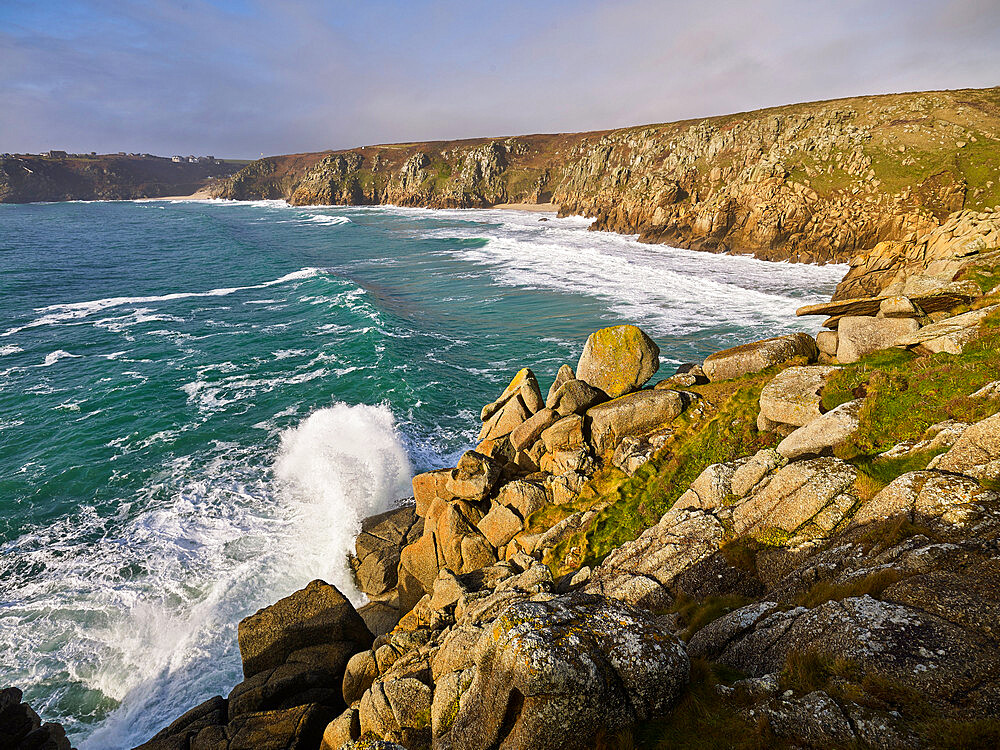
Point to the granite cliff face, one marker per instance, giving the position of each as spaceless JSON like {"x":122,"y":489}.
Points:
{"x":820,"y":182}
{"x":26,"y":179}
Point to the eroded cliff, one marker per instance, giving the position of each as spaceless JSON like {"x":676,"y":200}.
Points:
{"x":819,"y":182}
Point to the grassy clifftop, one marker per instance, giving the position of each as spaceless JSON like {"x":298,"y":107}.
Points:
{"x":813,"y":182}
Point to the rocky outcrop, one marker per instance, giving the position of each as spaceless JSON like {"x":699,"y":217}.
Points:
{"x":748,"y":359}
{"x":618,"y":360}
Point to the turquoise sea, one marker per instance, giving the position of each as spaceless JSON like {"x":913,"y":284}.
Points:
{"x":199,"y":401}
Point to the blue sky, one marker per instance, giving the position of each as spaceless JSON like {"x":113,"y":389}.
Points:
{"x":243,"y":78}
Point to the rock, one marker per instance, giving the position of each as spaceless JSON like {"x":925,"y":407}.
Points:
{"x":564,"y":374}
{"x":500,"y":525}
{"x":371,"y":743}
{"x":299,"y":728}
{"x":858,"y":336}
{"x":824,"y":433}
{"x":555,"y":674}
{"x":898,"y":307}
{"x":710,"y":490}
{"x":380,"y":617}
{"x":418,"y":567}
{"x":618,"y":360}
{"x":317,"y":615}
{"x":474,"y":478}
{"x":429,"y":485}
{"x":633,"y":452}
{"x":926,"y":494}
{"x":342,"y":730}
{"x":634,"y":414}
{"x":814,"y":720}
{"x":642,"y":572}
{"x":525,"y":434}
{"x":562,"y":462}
{"x":565,"y":487}
{"x":378,"y":546}
{"x":793,"y":396}
{"x":525,"y":385}
{"x":685,"y":376}
{"x":523,"y":497}
{"x":21,"y":729}
{"x":509,"y":416}
{"x":359,"y":674}
{"x":565,"y":435}
{"x":575,"y":397}
{"x":950,"y":335}
{"x":826,"y":342}
{"x":885,"y":641}
{"x":794,"y":495}
{"x":977,"y":452}
{"x":397,"y":710}
{"x":759,"y":355}
{"x":748,"y":476}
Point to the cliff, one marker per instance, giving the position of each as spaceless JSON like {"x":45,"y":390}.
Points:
{"x":816,"y":182}
{"x":26,"y":179}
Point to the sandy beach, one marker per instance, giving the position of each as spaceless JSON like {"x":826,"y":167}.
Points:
{"x":540,"y":207}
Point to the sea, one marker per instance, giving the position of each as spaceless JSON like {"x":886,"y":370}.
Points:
{"x":201,"y":400}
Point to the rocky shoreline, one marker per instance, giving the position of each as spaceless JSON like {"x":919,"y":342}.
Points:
{"x":794,"y":543}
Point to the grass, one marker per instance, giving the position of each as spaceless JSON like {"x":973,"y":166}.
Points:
{"x":725,"y":430}
{"x":704,"y":720}
{"x":695,"y":614}
{"x":905,"y":394}
{"x":889,"y":532}
{"x":874,"y":474}
{"x":872,"y":584}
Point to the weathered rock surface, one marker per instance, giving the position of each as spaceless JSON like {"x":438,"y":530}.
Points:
{"x":575,"y":397}
{"x":618,"y":360}
{"x":793,"y":396}
{"x":634,"y":414}
{"x":858,"y":336}
{"x":21,"y":729}
{"x":554,"y":674}
{"x":316,"y":616}
{"x":378,"y":546}
{"x":950,"y":335}
{"x":824,"y":433}
{"x":759,"y":355}
{"x":977,"y":452}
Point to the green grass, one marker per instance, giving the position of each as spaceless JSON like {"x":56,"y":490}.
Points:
{"x":905,"y":394}
{"x":727,"y":431}
{"x":874,"y":474}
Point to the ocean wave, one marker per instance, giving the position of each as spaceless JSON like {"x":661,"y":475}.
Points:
{"x":52,"y":357}
{"x":63,"y":312}
{"x":9,"y":349}
{"x":140,"y":617}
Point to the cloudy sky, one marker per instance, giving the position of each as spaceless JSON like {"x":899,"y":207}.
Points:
{"x":243,"y":77}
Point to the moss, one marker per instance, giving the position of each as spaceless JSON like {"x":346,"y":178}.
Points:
{"x":985,"y":277}
{"x":771,"y":536}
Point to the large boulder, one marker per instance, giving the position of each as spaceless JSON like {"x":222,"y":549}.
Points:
{"x":553,"y":675}
{"x":824,"y":433}
{"x":316,"y":616}
{"x":618,"y":360}
{"x":859,"y":335}
{"x":634,"y":414}
{"x":793,"y":396}
{"x":927,"y":495}
{"x":574,"y":397}
{"x":977,"y":452}
{"x":642,"y":572}
{"x":527,"y":433}
{"x":525,"y":385}
{"x":759,"y":355}
{"x":564,"y":374}
{"x":378,"y":546}
{"x":474,"y":478}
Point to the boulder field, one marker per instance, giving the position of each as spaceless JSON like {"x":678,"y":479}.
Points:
{"x":794,"y":543}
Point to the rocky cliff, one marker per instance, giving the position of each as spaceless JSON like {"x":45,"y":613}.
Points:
{"x":26,"y":179}
{"x":815,"y":182}
{"x":792,"y":544}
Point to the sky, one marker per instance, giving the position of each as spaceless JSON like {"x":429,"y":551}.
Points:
{"x":244,"y":78}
